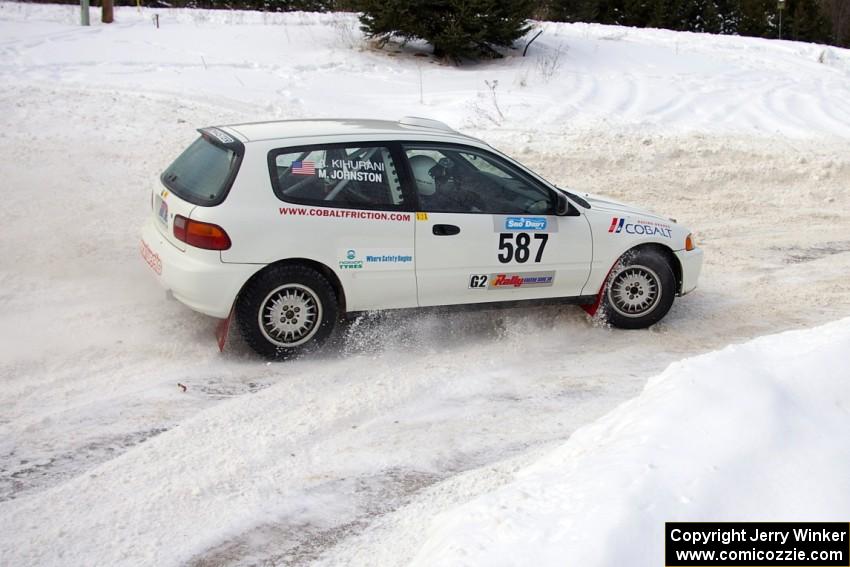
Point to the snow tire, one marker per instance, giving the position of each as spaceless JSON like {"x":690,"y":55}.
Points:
{"x":286,"y":310}
{"x":640,"y":290}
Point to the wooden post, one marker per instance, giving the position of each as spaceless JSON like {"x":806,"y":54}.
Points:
{"x":106,"y":12}
{"x":84,"y":12}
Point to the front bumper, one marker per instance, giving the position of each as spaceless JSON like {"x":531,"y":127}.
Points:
{"x":691,"y":262}
{"x":197,"y":278}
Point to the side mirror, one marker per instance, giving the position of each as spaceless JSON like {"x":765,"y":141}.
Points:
{"x":564,"y":207}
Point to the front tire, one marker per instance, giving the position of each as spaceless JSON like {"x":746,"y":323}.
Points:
{"x":640,"y":290}
{"x":286,"y":310}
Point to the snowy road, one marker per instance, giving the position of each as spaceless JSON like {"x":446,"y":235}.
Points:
{"x":293,"y":462}
{"x":281,"y":461}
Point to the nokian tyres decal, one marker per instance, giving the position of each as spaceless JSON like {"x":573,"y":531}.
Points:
{"x":524,"y":223}
{"x":512,"y":280}
{"x":376,"y":259}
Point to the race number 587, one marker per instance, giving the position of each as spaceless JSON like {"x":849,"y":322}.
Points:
{"x":517,"y":246}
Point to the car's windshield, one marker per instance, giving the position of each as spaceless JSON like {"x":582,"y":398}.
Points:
{"x":201,"y":173}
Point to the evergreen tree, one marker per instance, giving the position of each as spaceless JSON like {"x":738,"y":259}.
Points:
{"x":806,"y":22}
{"x":455,"y":28}
{"x":758,"y":18}
{"x":637,"y":13}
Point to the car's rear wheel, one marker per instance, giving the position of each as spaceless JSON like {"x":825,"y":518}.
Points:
{"x":286,"y":310}
{"x":640,"y":290}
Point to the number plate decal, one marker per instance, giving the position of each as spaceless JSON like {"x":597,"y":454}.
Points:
{"x":162,"y":210}
{"x":517,"y":247}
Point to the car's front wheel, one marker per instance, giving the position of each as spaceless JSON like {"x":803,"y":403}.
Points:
{"x":640,"y":290}
{"x":286,"y":310}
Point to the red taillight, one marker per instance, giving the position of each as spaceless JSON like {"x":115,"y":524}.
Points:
{"x":200,"y":234}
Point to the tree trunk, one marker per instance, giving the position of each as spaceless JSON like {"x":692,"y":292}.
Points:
{"x":839,"y":15}
{"x":106,"y":12}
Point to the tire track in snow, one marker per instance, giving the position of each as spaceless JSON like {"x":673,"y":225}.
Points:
{"x":504,"y":382}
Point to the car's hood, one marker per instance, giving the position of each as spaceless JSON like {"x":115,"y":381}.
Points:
{"x":599,"y":202}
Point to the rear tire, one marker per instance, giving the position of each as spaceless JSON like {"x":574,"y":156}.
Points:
{"x":640,"y":290}
{"x":286,"y":310}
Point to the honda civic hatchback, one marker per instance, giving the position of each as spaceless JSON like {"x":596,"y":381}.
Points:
{"x":289,"y":226}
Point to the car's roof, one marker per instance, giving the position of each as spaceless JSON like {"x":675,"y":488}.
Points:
{"x":330,"y":127}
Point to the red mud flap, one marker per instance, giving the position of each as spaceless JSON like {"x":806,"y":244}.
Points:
{"x":594,"y":307}
{"x":222,"y":330}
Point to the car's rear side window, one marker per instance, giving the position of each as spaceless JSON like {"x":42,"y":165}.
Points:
{"x":353,"y":176}
{"x":203,"y":172}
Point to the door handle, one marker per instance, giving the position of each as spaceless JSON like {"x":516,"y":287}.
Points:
{"x":445,"y":230}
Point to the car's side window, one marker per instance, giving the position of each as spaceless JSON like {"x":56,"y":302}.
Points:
{"x":455,"y":179}
{"x":337,"y":176}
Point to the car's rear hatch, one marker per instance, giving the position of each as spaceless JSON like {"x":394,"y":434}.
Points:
{"x":200,"y":177}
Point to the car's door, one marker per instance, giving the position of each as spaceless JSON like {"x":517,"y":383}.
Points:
{"x":341,"y":205}
{"x":487,"y":231}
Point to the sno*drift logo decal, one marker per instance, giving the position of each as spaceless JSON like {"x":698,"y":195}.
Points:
{"x":525,"y":223}
{"x":511,"y":281}
{"x":644,"y":228}
{"x":516,"y":223}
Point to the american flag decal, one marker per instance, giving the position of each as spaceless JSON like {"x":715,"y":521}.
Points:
{"x":303,"y":168}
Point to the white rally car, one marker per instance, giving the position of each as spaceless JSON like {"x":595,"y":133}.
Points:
{"x":290,"y":225}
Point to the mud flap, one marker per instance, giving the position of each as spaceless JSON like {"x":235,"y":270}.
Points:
{"x":222,"y":330}
{"x":594,"y":307}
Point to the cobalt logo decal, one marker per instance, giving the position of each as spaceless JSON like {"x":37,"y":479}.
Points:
{"x":643,"y":228}
{"x":525,"y":223}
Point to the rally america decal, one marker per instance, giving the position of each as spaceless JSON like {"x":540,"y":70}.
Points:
{"x":524,"y":223}
{"x":511,"y":281}
{"x":620,"y":225}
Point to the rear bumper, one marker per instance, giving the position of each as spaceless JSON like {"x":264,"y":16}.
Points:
{"x":691,"y":262}
{"x":197,"y":278}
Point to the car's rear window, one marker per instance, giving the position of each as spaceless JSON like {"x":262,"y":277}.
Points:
{"x":203,"y":173}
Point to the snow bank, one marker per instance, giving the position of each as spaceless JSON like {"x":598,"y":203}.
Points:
{"x":752,"y":432}
{"x":577,"y":77}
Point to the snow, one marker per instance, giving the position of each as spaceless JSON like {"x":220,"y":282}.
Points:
{"x":345,"y":458}
{"x":577,"y":77}
{"x":747,"y":433}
